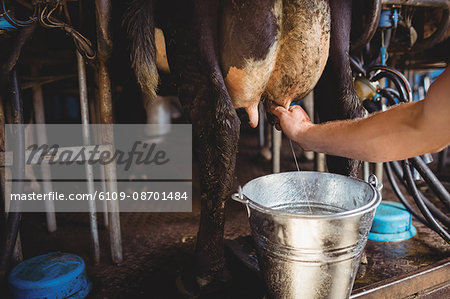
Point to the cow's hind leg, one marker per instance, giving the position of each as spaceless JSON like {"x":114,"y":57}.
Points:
{"x":191,"y":40}
{"x":335,"y":94}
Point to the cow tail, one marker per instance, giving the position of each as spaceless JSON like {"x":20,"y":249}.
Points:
{"x":140,"y":24}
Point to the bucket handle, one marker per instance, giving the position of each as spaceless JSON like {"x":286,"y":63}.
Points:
{"x":373,"y":181}
{"x":239,"y":197}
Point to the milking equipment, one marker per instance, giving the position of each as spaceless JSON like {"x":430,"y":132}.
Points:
{"x":8,"y":22}
{"x":395,"y":89}
{"x":45,"y":12}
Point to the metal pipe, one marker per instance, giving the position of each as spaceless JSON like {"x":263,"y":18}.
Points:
{"x":423,"y":3}
{"x":13,"y":222}
{"x":39,"y":117}
{"x":379,"y":170}
{"x":276,"y":149}
{"x":261,"y":125}
{"x":97,"y":139}
{"x":366,"y":171}
{"x":104,"y":47}
{"x":82,"y":84}
{"x":372,"y":26}
{"x":320,"y":162}
{"x":308,"y":104}
{"x":3,"y":191}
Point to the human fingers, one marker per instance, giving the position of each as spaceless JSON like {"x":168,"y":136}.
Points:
{"x":277,"y":110}
{"x":299,"y":112}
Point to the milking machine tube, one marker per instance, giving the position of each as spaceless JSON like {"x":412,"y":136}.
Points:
{"x":401,"y":196}
{"x":9,"y":23}
{"x":433,"y":209}
{"x":430,"y":212}
{"x":431,"y":180}
{"x":396,"y":77}
{"x":420,"y":203}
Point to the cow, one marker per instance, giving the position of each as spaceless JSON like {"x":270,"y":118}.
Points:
{"x":231,"y":54}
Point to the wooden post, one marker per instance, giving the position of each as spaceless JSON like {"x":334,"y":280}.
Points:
{"x":104,"y":47}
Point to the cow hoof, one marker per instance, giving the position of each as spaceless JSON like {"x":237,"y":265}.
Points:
{"x":193,"y":286}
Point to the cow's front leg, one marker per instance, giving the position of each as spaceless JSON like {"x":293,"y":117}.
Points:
{"x":335,"y":94}
{"x":191,"y":40}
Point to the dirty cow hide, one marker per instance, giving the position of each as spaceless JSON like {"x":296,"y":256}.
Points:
{"x":232,"y":54}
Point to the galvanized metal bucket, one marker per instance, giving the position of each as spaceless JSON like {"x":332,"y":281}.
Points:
{"x":309,"y":229}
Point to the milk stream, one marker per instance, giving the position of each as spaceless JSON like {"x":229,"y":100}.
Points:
{"x":308,"y":204}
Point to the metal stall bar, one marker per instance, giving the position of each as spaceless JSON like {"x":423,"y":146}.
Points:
{"x":95,"y":116}
{"x":10,"y":244}
{"x":308,"y":104}
{"x":17,"y":255}
{"x":276,"y":149}
{"x":87,"y":141}
{"x":7,"y":70}
{"x":104,"y":47}
{"x":39,"y":117}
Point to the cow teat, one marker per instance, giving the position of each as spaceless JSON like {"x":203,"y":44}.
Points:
{"x":252,"y":112}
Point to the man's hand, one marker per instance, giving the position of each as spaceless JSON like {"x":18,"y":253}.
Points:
{"x":294,"y":122}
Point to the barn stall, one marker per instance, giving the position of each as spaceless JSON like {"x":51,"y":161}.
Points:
{"x":67,"y":65}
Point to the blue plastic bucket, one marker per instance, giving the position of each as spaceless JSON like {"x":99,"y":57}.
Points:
{"x":52,"y":275}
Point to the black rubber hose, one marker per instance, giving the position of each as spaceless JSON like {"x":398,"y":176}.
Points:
{"x":420,"y":203}
{"x":388,"y":96}
{"x":395,"y":72}
{"x":370,"y":106}
{"x":401,"y":197}
{"x":402,"y":79}
{"x":13,"y":222}
{"x":444,"y":219}
{"x":356,"y":66}
{"x":396,"y":94}
{"x":372,"y":27}
{"x":434,"y":210}
{"x":394,"y":79}
{"x":432,"y":181}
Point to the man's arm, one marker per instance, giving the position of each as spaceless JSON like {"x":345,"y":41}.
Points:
{"x":404,"y":131}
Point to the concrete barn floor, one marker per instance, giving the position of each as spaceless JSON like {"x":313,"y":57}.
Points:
{"x":157,"y":245}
